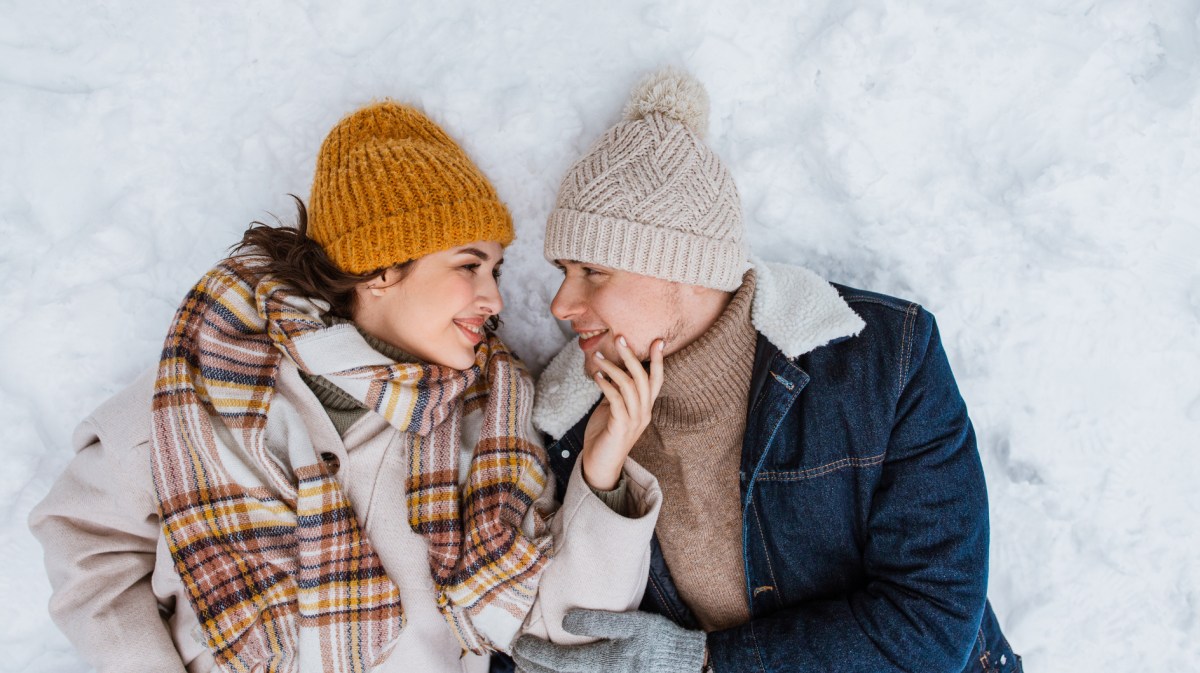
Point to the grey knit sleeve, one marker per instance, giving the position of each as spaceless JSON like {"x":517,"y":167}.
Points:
{"x":617,"y":499}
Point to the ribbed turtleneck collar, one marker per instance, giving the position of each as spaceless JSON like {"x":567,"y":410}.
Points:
{"x":709,"y":379}
{"x":333,"y":397}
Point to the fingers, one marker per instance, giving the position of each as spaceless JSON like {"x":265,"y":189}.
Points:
{"x":656,"y":369}
{"x":528,"y":666}
{"x":600,"y":623}
{"x":629,"y":397}
{"x":535,"y":654}
{"x":634,"y":368}
{"x":638,"y":388}
{"x":616,"y":403}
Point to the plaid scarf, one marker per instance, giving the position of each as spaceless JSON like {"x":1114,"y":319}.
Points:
{"x":276,"y":566}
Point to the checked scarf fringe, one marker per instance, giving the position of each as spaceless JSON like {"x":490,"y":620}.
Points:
{"x":275,"y":563}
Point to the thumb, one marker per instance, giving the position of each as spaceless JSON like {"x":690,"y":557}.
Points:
{"x":600,"y":623}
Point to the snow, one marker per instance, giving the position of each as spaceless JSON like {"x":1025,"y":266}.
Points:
{"x":1029,"y":171}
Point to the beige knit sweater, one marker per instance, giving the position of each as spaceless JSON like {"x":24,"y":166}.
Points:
{"x":694,"y":447}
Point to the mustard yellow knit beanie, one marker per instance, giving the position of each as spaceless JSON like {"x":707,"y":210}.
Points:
{"x":392,"y":186}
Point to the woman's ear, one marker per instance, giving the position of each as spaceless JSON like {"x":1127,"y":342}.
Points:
{"x":376,"y":287}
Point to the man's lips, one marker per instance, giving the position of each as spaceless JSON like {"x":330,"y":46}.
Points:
{"x":589,"y":338}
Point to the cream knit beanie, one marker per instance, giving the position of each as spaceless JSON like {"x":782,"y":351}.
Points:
{"x":650,"y":197}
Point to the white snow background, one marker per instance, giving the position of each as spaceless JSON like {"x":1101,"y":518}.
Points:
{"x":1028,"y":171}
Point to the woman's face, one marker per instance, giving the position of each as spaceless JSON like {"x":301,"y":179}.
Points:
{"x":436,"y":312}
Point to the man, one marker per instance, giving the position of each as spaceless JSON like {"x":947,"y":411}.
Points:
{"x":824,"y":506}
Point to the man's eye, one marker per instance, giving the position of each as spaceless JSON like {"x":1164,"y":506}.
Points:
{"x":589,"y":271}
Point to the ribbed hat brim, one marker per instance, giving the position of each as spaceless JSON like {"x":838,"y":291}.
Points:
{"x":659,"y":252}
{"x":416,"y":233}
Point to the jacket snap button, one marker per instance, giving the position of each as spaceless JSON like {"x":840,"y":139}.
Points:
{"x":1003,"y":660}
{"x":566,"y":453}
{"x":331,"y":461}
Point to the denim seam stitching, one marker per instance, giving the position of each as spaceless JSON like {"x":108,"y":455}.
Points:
{"x":822,"y":470}
{"x":770,"y":566}
{"x":757,"y":650}
{"x":663,"y":598}
{"x":906,"y":345}
{"x":984,"y":658}
{"x":756,"y":403}
{"x":860,"y":299}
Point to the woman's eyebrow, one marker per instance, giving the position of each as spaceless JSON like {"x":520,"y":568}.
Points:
{"x":474,"y":251}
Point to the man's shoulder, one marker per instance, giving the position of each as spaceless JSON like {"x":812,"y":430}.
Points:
{"x":886,"y":312}
{"x":892,"y":325}
{"x":897,"y":331}
{"x":866,"y":299}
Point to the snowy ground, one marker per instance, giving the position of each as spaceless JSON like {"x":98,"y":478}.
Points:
{"x":1030,"y":171}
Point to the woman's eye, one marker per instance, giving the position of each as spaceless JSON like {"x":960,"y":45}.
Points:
{"x":471,"y":267}
{"x":496,"y":273}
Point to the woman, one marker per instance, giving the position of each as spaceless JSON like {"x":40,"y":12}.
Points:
{"x":332,"y":466}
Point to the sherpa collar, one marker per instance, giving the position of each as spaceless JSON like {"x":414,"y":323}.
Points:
{"x":794,"y":308}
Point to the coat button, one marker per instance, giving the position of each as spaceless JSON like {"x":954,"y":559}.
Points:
{"x":566,"y":453}
{"x":1003,"y":660}
{"x":331,"y":462}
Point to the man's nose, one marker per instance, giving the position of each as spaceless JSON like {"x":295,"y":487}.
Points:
{"x":565,"y":304}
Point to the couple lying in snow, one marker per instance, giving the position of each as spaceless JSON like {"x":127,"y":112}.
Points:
{"x":336,"y":464}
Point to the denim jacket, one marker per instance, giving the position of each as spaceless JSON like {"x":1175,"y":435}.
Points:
{"x":864,"y":509}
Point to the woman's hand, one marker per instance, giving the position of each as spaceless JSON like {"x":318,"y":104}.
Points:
{"x":616,"y":424}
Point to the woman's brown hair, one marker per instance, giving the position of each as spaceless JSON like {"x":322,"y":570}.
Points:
{"x":297,"y":260}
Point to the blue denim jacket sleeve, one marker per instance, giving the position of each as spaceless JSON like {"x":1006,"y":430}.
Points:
{"x":925,"y":553}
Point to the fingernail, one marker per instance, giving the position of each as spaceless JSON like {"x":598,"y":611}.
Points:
{"x":621,"y":340}
{"x":599,"y":376}
{"x":661,"y":344}
{"x":599,"y":355}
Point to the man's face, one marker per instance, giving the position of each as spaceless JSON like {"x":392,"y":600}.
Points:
{"x":603,"y":303}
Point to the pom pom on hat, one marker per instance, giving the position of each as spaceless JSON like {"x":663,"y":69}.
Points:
{"x":650,"y":197}
{"x":674,"y":94}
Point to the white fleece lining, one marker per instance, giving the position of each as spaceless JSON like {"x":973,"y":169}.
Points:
{"x":794,"y":308}
{"x":564,"y":392}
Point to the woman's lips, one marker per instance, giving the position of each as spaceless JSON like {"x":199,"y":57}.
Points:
{"x":473,"y":332}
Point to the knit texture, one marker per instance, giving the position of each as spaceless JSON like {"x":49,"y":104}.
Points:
{"x":651,"y":197}
{"x":277,"y":568}
{"x":344,"y":409}
{"x":618,"y":498}
{"x":630,"y":642}
{"x":694,"y":447}
{"x":391,"y":186}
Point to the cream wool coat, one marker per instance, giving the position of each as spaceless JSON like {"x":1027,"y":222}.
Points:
{"x":120,"y":601}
